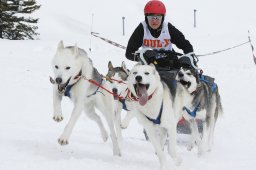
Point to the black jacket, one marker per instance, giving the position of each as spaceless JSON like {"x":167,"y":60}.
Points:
{"x":136,"y":40}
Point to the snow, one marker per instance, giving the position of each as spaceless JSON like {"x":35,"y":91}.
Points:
{"x":28,"y":134}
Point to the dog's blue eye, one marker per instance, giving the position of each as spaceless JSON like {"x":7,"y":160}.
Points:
{"x":147,"y":73}
{"x":189,"y":74}
{"x":134,"y":73}
{"x":56,"y":67}
{"x":67,"y":68}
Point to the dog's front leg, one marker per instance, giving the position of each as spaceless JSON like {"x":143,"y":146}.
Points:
{"x":127,"y":120}
{"x":57,"y":112}
{"x":172,"y":132}
{"x":116,"y":147}
{"x":118,"y":124}
{"x":151,"y":132}
{"x":77,"y":110}
{"x":196,"y":136}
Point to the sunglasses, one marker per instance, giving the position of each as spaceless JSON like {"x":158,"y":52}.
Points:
{"x":155,"y":17}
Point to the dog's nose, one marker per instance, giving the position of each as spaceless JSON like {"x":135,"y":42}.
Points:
{"x":138,"y":78}
{"x":180,"y":74}
{"x":114,"y":90}
{"x":58,"y":80}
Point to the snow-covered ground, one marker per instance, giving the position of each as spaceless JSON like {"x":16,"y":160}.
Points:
{"x":28,"y":134}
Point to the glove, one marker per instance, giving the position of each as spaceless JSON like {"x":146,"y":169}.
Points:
{"x":188,"y":60}
{"x":149,"y":56}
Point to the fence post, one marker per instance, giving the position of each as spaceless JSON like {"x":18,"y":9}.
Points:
{"x":195,"y":18}
{"x":90,"y":48}
{"x":123,"y":25}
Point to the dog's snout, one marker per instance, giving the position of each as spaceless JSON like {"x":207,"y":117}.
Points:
{"x":114,"y":90}
{"x":58,"y":80}
{"x":180,"y":74}
{"x":138,"y":78}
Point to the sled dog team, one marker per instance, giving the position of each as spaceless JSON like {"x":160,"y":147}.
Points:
{"x":141,"y":92}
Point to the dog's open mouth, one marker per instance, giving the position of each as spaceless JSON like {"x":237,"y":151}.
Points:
{"x":141,"y":91}
{"x":187,"y":84}
{"x":62,"y":87}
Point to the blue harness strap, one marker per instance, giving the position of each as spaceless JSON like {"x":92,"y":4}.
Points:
{"x":193,"y":112}
{"x":67,"y":90}
{"x":96,"y":89}
{"x":213,"y":86}
{"x":158,"y":119}
{"x":124,"y":104}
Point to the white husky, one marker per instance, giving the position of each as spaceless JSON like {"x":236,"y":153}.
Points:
{"x":75,"y":77}
{"x":154,"y":110}
{"x":198,"y":99}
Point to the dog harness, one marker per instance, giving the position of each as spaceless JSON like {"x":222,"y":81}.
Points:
{"x":213,"y":85}
{"x":193,"y":112}
{"x":124,"y":104}
{"x":213,"y":88}
{"x":68,"y":88}
{"x":96,"y":89}
{"x":158,"y":119}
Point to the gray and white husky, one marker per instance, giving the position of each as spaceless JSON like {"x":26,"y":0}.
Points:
{"x":154,"y":110}
{"x":197,"y":98}
{"x":75,"y":77}
{"x":117,"y":79}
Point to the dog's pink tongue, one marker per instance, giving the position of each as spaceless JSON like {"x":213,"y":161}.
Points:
{"x":142,"y":94}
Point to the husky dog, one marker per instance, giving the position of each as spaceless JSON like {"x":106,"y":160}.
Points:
{"x":75,"y":77}
{"x":117,"y":77}
{"x":154,"y":110}
{"x":197,"y":98}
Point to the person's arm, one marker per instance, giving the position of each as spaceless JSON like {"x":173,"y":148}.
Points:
{"x":179,"y":39}
{"x":135,"y":42}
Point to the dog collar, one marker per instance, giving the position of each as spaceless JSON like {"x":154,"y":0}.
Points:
{"x":78,"y":75}
{"x":197,"y":89}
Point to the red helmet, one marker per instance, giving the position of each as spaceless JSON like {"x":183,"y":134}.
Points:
{"x":154,"y":7}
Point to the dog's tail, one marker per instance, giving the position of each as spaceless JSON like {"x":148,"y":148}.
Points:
{"x":219,"y":108}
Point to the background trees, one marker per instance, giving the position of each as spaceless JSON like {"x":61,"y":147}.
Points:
{"x":15,"y":20}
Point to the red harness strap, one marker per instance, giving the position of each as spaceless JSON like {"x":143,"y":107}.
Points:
{"x":111,"y":79}
{"x":99,"y":85}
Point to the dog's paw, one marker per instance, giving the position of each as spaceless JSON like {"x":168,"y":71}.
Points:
{"x":123,"y":126}
{"x":104,"y":135}
{"x":116,"y":151}
{"x":163,"y":167}
{"x":63,"y":141}
{"x":58,"y":118}
{"x":190,"y":147}
{"x":178,"y":161}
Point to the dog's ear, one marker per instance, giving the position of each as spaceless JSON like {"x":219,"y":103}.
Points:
{"x":137,"y":64}
{"x":124,"y":68}
{"x":195,"y":72}
{"x":61,"y":45}
{"x":110,"y":66}
{"x":75,"y":50}
{"x":152,"y":65}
